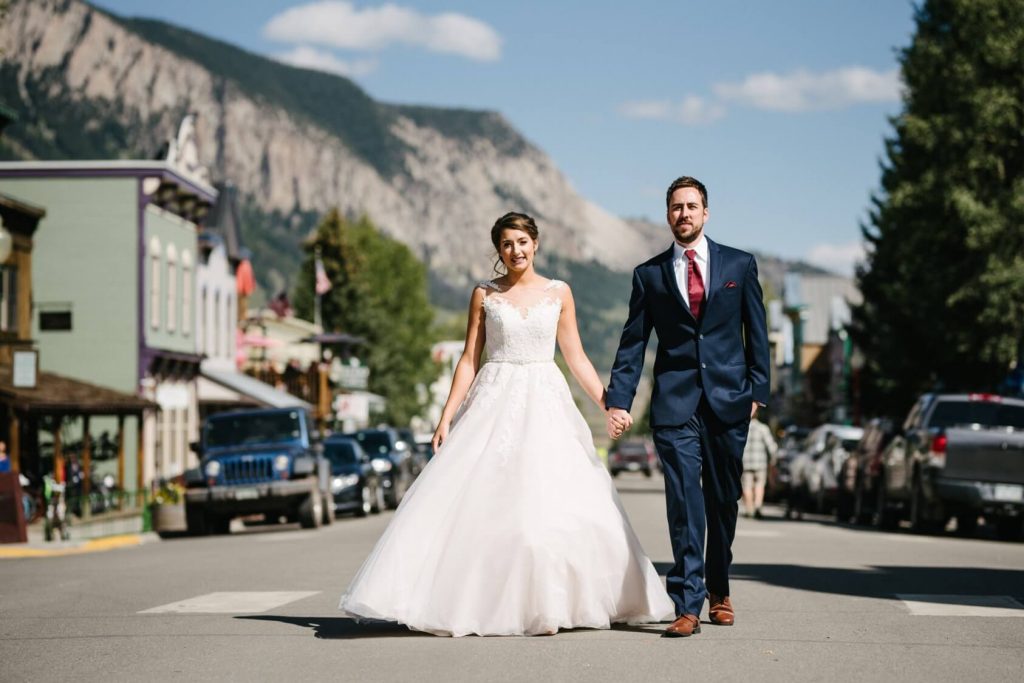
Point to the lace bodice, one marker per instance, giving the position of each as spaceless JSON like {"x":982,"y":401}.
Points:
{"x":519,"y":333}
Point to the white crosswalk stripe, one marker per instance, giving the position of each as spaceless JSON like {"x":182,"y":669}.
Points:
{"x":961,"y":605}
{"x":231,"y":602}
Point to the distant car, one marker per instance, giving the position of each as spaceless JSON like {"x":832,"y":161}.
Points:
{"x":822,"y":480}
{"x":632,"y":456}
{"x":417,"y":458}
{"x":390,"y":457}
{"x":779,"y":476}
{"x":809,"y":479}
{"x":857,"y":481}
{"x":355,"y":484}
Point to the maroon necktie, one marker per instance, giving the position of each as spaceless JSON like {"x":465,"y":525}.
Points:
{"x":694,"y":284}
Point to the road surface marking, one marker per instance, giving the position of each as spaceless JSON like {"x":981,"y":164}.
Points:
{"x":962,"y":605}
{"x":231,"y":603}
{"x":75,"y":548}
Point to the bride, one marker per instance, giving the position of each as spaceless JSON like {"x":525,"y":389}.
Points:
{"x":514,"y":527}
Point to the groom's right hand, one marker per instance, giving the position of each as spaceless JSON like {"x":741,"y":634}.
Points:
{"x":619,"y":421}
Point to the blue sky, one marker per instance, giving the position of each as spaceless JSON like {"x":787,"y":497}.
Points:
{"x":779,"y":107}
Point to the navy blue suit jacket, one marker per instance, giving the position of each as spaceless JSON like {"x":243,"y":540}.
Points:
{"x":723,"y":356}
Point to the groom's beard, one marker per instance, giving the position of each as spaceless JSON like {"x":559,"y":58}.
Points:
{"x":689,"y":238}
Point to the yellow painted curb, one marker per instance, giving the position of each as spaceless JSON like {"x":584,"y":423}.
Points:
{"x":90,"y":546}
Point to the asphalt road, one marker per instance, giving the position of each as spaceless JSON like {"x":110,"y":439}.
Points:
{"x":814,"y":601}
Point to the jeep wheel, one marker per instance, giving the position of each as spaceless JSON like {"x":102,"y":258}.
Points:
{"x":195,"y":522}
{"x":311,"y":511}
{"x":218,"y":524}
{"x":378,"y":500}
{"x":884,"y":518}
{"x":967,"y":523}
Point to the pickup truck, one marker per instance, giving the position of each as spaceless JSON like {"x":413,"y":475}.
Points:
{"x":268,"y":462}
{"x":957,"y":455}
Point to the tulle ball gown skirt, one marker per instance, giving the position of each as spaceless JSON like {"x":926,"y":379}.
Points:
{"x":513,"y":528}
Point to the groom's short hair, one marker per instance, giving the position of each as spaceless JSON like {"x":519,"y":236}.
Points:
{"x":686,"y":181}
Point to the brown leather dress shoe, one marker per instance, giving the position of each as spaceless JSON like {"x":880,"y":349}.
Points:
{"x":720,"y":610}
{"x":684,"y":626}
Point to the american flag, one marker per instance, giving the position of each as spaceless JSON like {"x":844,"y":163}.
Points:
{"x":323,"y":284}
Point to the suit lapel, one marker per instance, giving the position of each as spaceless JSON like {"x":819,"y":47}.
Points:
{"x":715,"y":259}
{"x":671,"y":283}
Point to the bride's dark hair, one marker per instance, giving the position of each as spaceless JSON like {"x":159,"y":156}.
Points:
{"x":513,"y":221}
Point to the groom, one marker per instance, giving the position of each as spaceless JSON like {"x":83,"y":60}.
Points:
{"x":710,"y":375}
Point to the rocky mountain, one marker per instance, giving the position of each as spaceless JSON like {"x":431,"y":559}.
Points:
{"x":87,"y":84}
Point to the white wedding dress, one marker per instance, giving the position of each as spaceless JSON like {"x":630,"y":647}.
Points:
{"x":514,"y":527}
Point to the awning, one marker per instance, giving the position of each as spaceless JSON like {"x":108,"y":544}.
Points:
{"x":262,"y":394}
{"x":56,"y":394}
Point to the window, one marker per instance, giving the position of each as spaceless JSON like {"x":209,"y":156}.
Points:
{"x":186,"y":292}
{"x":204,"y":327}
{"x":8,"y":299}
{"x":55,"y":320}
{"x":155,"y":300}
{"x":172,"y":288}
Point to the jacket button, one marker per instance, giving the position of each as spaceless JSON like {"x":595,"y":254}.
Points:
{"x":704,"y":365}
{"x":700,"y":336}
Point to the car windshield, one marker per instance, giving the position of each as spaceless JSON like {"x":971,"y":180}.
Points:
{"x":849,"y":445}
{"x":340,"y":453}
{"x":252,"y":428}
{"x":374,"y":443}
{"x":632,"y":449}
{"x":986,"y":413}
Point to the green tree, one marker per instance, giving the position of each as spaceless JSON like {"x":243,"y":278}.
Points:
{"x":943,"y":284}
{"x":379,"y":292}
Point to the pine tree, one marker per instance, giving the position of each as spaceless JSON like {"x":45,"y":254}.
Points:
{"x":943,"y":284}
{"x":378,"y":292}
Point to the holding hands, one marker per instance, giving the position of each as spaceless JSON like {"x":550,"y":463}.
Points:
{"x":619,"y":421}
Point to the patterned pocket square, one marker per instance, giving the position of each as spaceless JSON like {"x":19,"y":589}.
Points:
{"x":730,"y":285}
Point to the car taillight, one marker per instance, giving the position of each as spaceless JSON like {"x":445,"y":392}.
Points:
{"x":990,"y":398}
{"x":937,"y":455}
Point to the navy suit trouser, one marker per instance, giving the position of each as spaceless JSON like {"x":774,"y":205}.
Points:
{"x":703,"y":463}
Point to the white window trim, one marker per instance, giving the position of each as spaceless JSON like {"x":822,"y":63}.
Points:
{"x":187,"y":289}
{"x":172,"y":288}
{"x":155,"y":276}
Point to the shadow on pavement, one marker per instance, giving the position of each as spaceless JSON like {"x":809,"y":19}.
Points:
{"x":342,"y":627}
{"x":884,"y":582}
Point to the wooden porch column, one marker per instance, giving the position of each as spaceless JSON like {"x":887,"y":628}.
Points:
{"x":14,"y":447}
{"x":58,"y":455}
{"x":120,"y":452}
{"x":86,"y":457}
{"x":139,"y":459}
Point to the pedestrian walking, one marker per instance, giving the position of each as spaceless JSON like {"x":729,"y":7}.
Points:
{"x":5,"y":462}
{"x":757,"y":455}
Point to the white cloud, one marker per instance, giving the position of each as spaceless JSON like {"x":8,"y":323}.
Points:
{"x":805,"y":91}
{"x":838,"y":258}
{"x":798,"y":91}
{"x":321,"y":60}
{"x":691,"y":111}
{"x":339,"y":24}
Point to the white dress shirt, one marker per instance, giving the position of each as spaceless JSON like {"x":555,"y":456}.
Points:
{"x":679,"y":264}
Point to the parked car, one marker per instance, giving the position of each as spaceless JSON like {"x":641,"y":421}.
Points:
{"x":823,"y":472}
{"x":779,"y":476}
{"x":355,"y":484}
{"x":390,"y":457}
{"x":268,"y":462}
{"x":957,"y":455}
{"x":857,"y":481}
{"x":417,"y":457}
{"x":634,"y":455}
{"x":811,"y":475}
